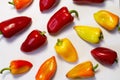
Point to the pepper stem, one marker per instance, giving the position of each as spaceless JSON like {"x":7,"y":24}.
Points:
{"x":43,"y":33}
{"x":95,"y":67}
{"x":59,"y":42}
{"x":74,"y":11}
{"x":4,"y":70}
{"x":12,"y":3}
{"x":0,"y":32}
{"x":119,"y":28}
{"x":116,"y":60}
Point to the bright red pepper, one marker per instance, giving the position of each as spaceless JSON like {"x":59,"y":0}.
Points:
{"x":18,"y":67}
{"x":33,"y":41}
{"x":104,"y":55}
{"x":46,"y":4}
{"x":61,"y":18}
{"x":88,"y":1}
{"x":14,"y":25}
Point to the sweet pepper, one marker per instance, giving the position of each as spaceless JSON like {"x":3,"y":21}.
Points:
{"x":65,"y":49}
{"x":88,"y":1}
{"x":106,"y":19}
{"x":88,"y":33}
{"x":104,"y":55}
{"x":61,"y":18}
{"x":47,"y":69}
{"x":82,"y":70}
{"x":18,"y":67}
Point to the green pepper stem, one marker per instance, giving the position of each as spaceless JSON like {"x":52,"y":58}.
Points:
{"x":43,"y":33}
{"x":74,"y":11}
{"x":116,"y":60}
{"x":119,"y":28}
{"x":0,"y":32}
{"x":95,"y":67}
{"x":12,"y":3}
{"x":59,"y":42}
{"x":101,"y":36}
{"x":4,"y":70}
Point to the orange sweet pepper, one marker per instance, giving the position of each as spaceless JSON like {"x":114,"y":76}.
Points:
{"x":82,"y":70}
{"x":47,"y":69}
{"x":18,"y":67}
{"x":65,"y":49}
{"x":106,"y":19}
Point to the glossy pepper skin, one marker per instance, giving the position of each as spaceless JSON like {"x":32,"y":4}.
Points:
{"x":33,"y":41}
{"x":82,"y":70}
{"x":21,"y":4}
{"x":14,"y":25}
{"x":47,"y":69}
{"x":18,"y":67}
{"x":88,"y":1}
{"x":106,"y":19}
{"x":61,"y":18}
{"x":46,"y":4}
{"x":89,"y":34}
{"x":104,"y":55}
{"x":65,"y":49}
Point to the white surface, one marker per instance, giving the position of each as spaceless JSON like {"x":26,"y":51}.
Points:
{"x":10,"y":48}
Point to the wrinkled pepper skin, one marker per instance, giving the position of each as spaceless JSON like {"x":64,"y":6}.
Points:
{"x":61,"y":18}
{"x":33,"y":41}
{"x":106,"y":19}
{"x":14,"y":25}
{"x":88,"y":1}
{"x":18,"y":67}
{"x":65,"y":49}
{"x":104,"y":55}
{"x":21,"y":4}
{"x":82,"y":70}
{"x":47,"y":69}
{"x":46,"y":4}
{"x":89,"y":34}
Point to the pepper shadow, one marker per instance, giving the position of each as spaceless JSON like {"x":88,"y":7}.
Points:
{"x":93,"y":78}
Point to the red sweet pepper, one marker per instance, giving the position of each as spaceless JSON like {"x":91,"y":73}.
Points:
{"x":33,"y":41}
{"x":61,"y":18}
{"x":104,"y":55}
{"x":88,"y":1}
{"x":14,"y":25}
{"x":46,"y":4}
{"x":18,"y":67}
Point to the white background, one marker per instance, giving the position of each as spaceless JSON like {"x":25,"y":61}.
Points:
{"x":10,"y":48}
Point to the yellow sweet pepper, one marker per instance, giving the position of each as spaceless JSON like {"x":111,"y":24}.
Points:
{"x":65,"y":49}
{"x":106,"y":19}
{"x":88,"y":33}
{"x":82,"y":70}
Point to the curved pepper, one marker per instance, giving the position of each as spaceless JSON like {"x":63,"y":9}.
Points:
{"x":47,"y":69}
{"x":14,"y":25}
{"x":106,"y":19}
{"x":104,"y":55}
{"x":88,"y":33}
{"x":82,"y":70}
{"x":18,"y":67}
{"x":46,"y":4}
{"x":61,"y":18}
{"x":66,"y":50}
{"x":21,"y":4}
{"x":88,"y":1}
{"x":33,"y":41}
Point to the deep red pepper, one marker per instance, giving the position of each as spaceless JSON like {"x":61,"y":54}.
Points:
{"x":88,"y":1}
{"x":104,"y":55}
{"x":61,"y":18}
{"x":46,"y":4}
{"x":12,"y":26}
{"x":33,"y":41}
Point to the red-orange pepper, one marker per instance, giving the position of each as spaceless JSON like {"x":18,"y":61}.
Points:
{"x":47,"y":69}
{"x":18,"y":67}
